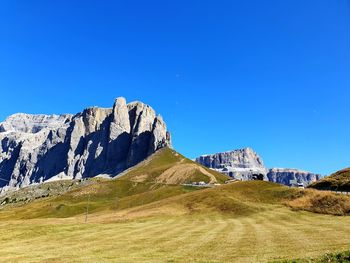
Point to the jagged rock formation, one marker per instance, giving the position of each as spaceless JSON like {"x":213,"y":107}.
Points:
{"x":240,"y":164}
{"x":285,"y":176}
{"x":37,"y":148}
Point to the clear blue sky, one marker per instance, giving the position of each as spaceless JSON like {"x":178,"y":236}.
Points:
{"x":272,"y":75}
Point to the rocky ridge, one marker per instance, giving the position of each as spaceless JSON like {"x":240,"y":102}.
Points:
{"x":38,"y":148}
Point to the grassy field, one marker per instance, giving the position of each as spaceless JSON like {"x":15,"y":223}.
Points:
{"x":242,"y":222}
{"x":274,"y":234}
{"x":141,"y":218}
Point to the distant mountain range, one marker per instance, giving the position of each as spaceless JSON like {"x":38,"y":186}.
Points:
{"x":106,"y":142}
{"x":246,"y":164}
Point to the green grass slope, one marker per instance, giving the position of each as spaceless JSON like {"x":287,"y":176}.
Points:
{"x":247,"y":198}
{"x":100,"y":195}
{"x":339,"y":181}
{"x":236,"y":199}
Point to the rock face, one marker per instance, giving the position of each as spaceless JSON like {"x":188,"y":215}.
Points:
{"x":240,"y":164}
{"x":284,"y":176}
{"x":37,"y":148}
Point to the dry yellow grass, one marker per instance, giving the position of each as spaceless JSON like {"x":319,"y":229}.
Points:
{"x":183,"y":172}
{"x":169,"y":167}
{"x":242,"y":222}
{"x":276,"y":233}
{"x":147,"y":222}
{"x":322,"y":202}
{"x":339,"y":181}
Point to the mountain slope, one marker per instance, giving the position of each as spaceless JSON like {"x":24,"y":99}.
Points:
{"x":246,"y":198}
{"x":339,"y":181}
{"x":169,"y":167}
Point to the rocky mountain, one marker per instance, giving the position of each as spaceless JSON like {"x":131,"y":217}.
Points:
{"x":38,"y":148}
{"x":240,"y":164}
{"x":245,"y":164}
{"x":285,"y":176}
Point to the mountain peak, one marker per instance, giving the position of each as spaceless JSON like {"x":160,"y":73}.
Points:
{"x":37,"y":148}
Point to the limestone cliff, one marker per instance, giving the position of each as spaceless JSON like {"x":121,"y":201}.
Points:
{"x":286,"y":176}
{"x":37,"y":148}
{"x":240,"y":164}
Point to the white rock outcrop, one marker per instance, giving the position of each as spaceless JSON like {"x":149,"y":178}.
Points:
{"x":37,"y":148}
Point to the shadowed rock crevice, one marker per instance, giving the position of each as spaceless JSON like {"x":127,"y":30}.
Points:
{"x":140,"y":148}
{"x":51,"y":163}
{"x":8,"y":165}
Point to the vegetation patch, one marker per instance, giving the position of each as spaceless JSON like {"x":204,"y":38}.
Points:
{"x":321,"y":202}
{"x":341,"y":257}
{"x":339,"y":181}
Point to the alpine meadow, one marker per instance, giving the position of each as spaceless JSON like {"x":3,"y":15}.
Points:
{"x":220,"y":132}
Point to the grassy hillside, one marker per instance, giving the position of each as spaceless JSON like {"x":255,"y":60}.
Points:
{"x":321,"y":202}
{"x":146,"y":215}
{"x":150,"y":181}
{"x":339,"y":181}
{"x":170,"y":167}
{"x":99,"y":195}
{"x":237,"y":199}
{"x":271,"y":233}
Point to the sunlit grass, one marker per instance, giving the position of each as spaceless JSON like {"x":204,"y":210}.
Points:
{"x":146,"y":221}
{"x":276,"y":233}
